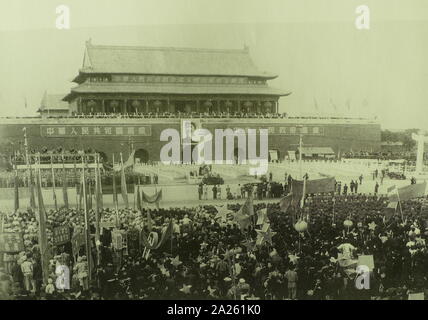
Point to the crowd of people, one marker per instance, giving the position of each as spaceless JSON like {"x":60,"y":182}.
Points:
{"x":210,"y":255}
{"x":410,"y":157}
{"x":149,"y":115}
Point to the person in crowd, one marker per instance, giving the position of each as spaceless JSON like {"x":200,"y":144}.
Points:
{"x":351,"y":186}
{"x":205,"y":191}
{"x":27,"y":271}
{"x":200,"y":190}
{"x":219,"y":192}
{"x":229,"y":195}
{"x":345,"y":189}
{"x":291,"y":276}
{"x":214,"y":190}
{"x":50,"y":289}
{"x":376,"y":188}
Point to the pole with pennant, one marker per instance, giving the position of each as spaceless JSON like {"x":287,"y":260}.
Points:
{"x":399,"y":204}
{"x":87,"y":224}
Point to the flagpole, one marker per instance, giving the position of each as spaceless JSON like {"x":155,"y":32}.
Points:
{"x":42,"y":225}
{"x":76,"y":183}
{"x":87,"y":225}
{"x":300,"y":153}
{"x":97,"y":213}
{"x":16,"y":182}
{"x":64,"y":182}
{"x":28,"y":163}
{"x":302,"y":201}
{"x":53,"y":184}
{"x":39,"y":171}
{"x":115,"y":196}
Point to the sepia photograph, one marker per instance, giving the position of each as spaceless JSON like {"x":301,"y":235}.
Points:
{"x":227,"y":151}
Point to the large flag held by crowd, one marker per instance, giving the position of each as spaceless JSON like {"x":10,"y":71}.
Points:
{"x":324,"y":185}
{"x":406,"y":193}
{"x":244,"y":215}
{"x":300,"y":188}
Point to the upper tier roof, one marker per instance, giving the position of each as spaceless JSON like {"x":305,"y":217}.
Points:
{"x":170,"y":61}
{"x":53,"y":102}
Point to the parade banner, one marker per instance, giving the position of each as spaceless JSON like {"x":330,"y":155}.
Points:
{"x":117,"y":240}
{"x":61,"y":235}
{"x":77,"y":241}
{"x":107,"y":225}
{"x":156,"y":198}
{"x":11,"y":242}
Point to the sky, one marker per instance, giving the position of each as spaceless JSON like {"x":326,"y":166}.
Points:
{"x":329,"y":66}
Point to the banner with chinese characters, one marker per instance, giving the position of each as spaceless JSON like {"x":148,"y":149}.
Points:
{"x":11,"y":242}
{"x":56,"y":131}
{"x":273,"y":129}
{"x":61,"y":235}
